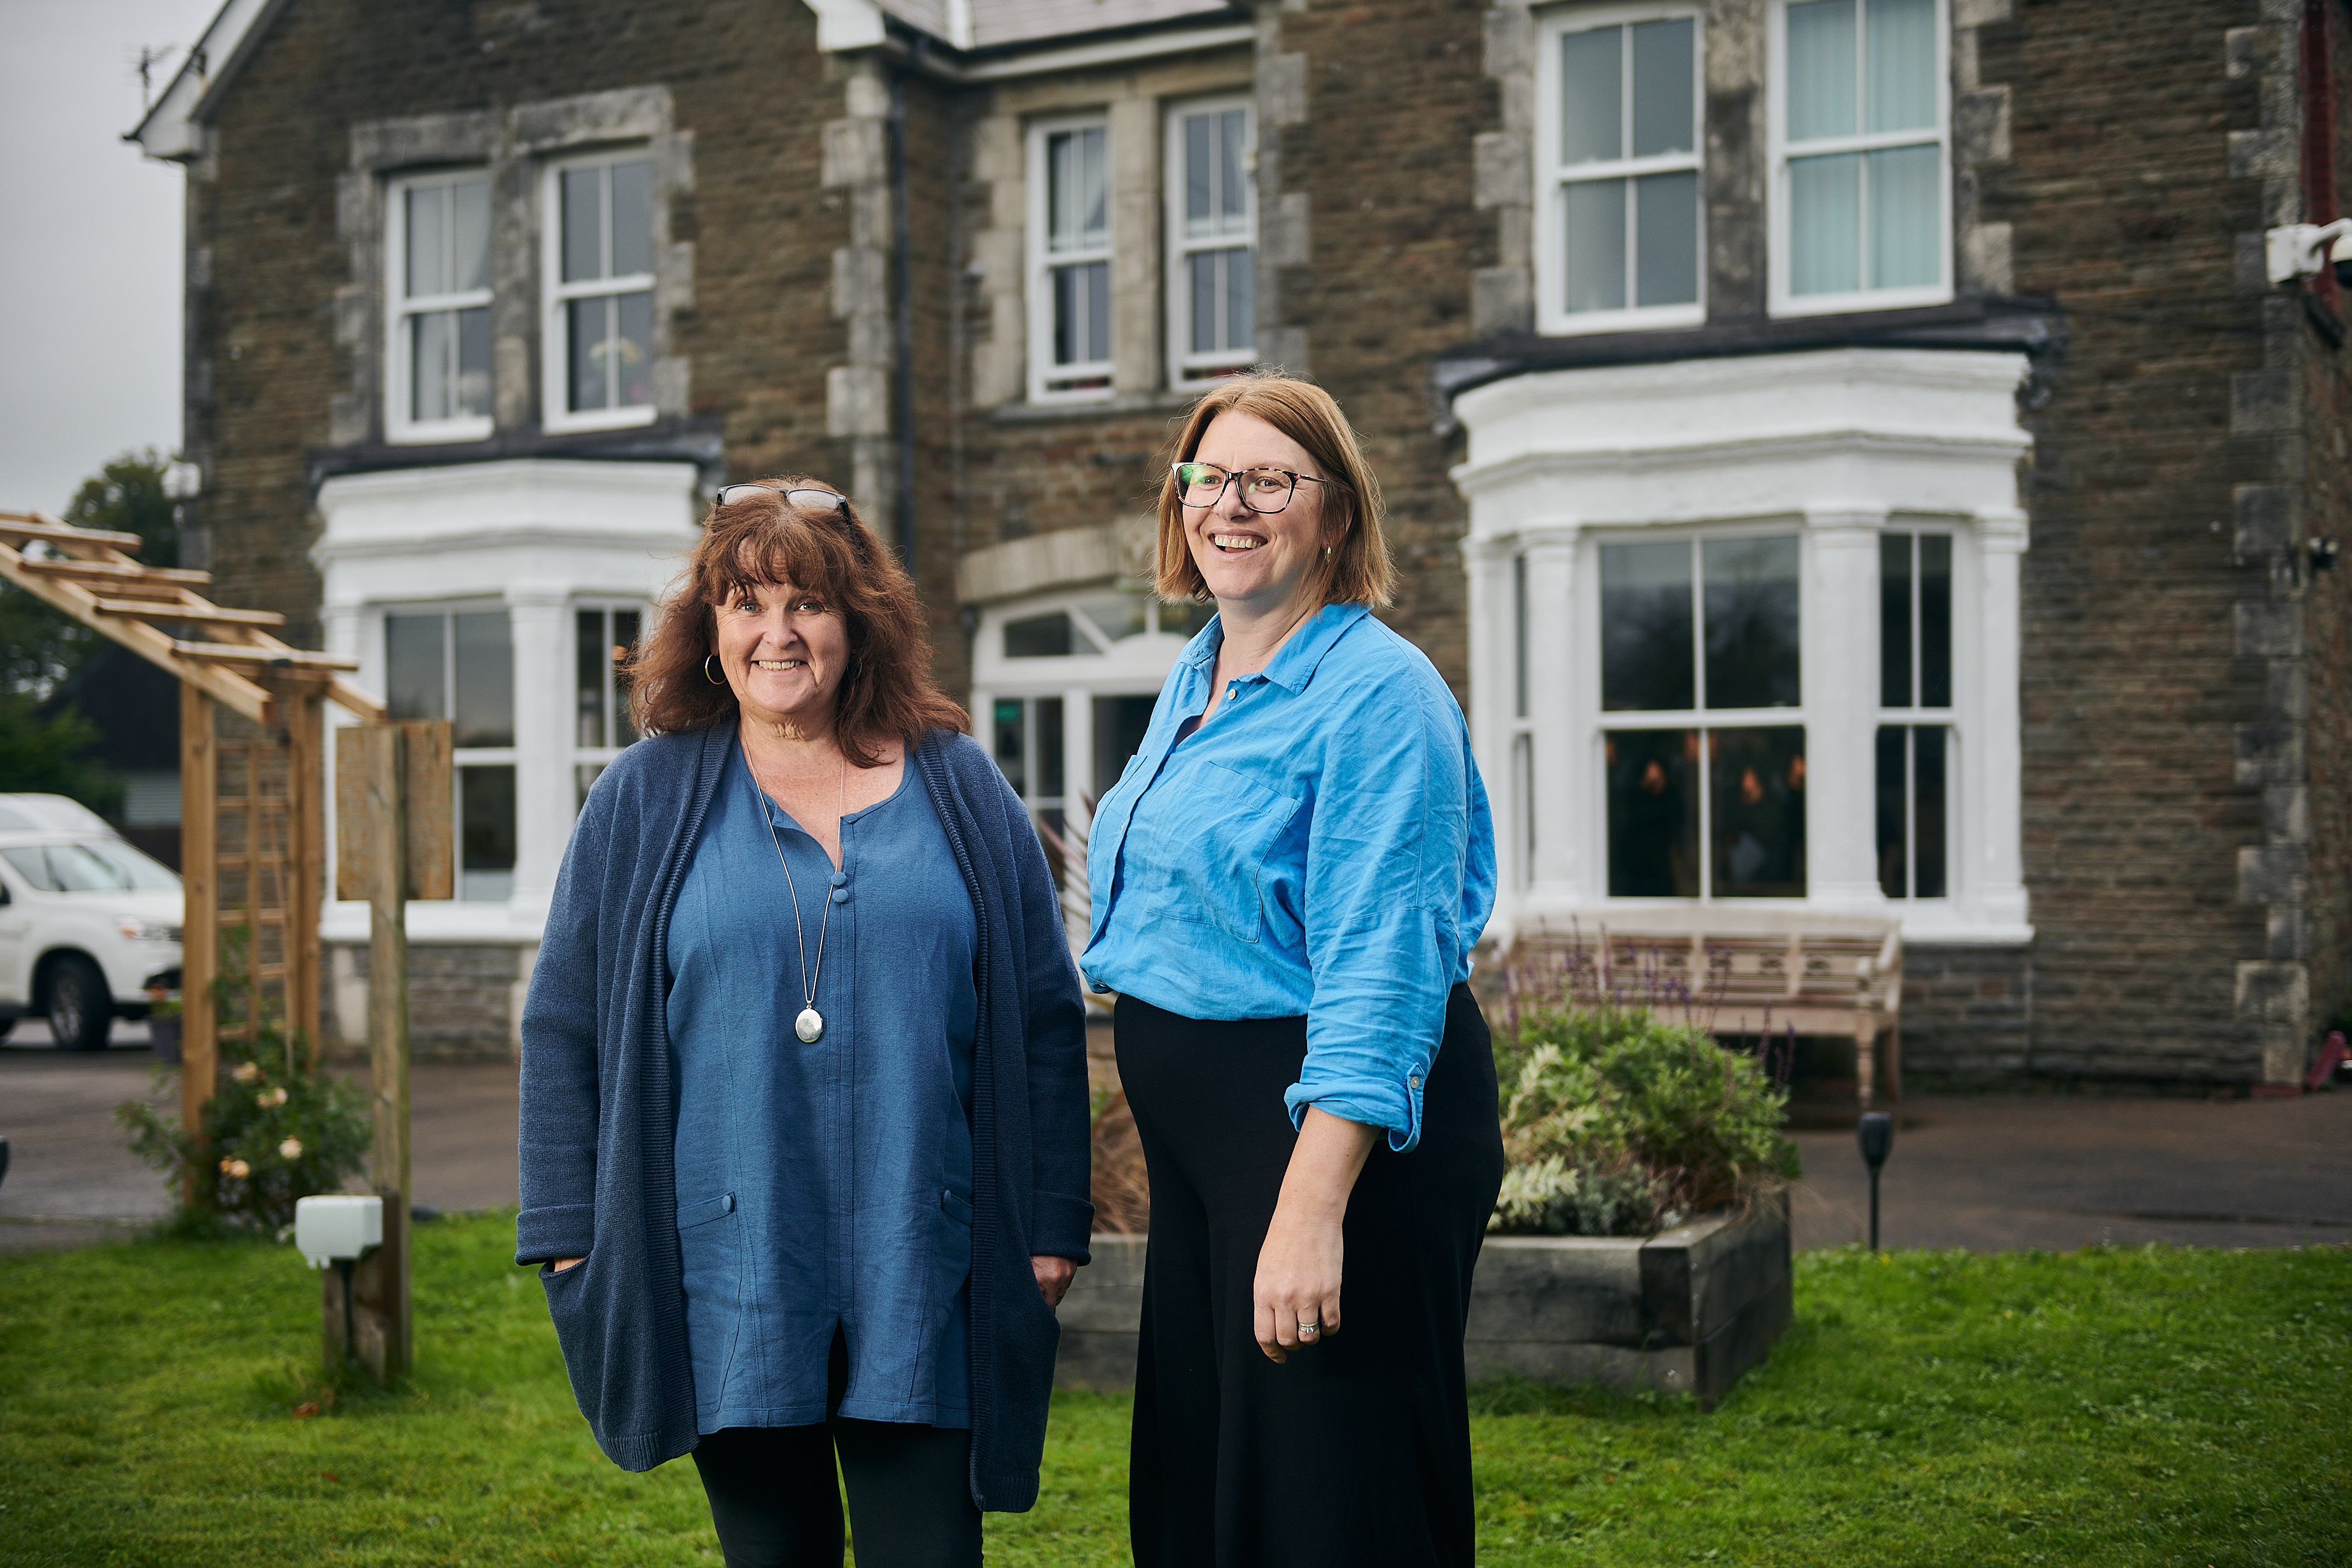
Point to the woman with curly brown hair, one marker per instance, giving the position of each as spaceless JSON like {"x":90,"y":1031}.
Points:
{"x":803,"y":1127}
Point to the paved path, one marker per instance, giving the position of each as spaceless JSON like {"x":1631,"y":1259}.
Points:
{"x":1984,"y":1172}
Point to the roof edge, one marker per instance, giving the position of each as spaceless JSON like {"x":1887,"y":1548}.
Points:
{"x":168,"y":130}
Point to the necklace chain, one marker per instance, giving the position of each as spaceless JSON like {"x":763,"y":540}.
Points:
{"x":809,"y":1015}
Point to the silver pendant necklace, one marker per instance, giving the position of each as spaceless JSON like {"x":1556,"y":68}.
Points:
{"x":810,"y":1025}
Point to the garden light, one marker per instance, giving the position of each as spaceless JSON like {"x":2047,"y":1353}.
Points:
{"x":1877,"y":1136}
{"x":340,"y":1228}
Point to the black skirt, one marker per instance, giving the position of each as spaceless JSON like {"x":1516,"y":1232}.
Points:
{"x":1357,"y":1450}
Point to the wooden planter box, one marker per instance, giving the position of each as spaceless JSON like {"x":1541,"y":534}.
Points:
{"x":1688,"y":1310}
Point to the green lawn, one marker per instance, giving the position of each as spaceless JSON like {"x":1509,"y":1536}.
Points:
{"x":2149,"y":1408}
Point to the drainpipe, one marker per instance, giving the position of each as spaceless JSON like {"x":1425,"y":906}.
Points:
{"x":903,"y":323}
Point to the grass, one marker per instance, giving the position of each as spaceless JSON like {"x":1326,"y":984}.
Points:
{"x":2157,"y":1407}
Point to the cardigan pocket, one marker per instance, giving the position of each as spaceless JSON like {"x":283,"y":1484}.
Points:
{"x":709,"y":1244}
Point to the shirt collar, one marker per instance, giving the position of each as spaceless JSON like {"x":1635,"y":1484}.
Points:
{"x":1294,"y":664}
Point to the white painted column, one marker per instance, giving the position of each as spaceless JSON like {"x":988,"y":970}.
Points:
{"x":1078,"y":782}
{"x":1564,"y":789}
{"x":1992,"y":746}
{"x":1486,"y":567}
{"x":1839,"y":643}
{"x":544,"y":793}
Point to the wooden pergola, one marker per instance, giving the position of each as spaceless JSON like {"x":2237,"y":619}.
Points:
{"x":252,"y":838}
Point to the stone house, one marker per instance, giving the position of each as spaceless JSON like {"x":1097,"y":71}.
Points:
{"x":1846,"y":454}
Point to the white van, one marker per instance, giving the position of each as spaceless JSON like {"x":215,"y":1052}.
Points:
{"x":87,"y":922}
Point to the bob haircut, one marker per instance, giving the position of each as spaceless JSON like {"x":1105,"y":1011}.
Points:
{"x":1359,"y":571}
{"x":887,"y":690}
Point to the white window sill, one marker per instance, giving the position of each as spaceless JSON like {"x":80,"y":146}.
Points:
{"x":1862,"y":299}
{"x":600,"y":419}
{"x":438,"y":432}
{"x":1587,"y":323}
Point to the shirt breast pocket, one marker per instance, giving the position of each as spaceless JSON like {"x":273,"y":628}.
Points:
{"x":1212,"y":848}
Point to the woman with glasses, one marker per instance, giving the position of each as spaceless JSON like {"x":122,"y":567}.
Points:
{"x":804,"y":1147}
{"x":1286,"y":883}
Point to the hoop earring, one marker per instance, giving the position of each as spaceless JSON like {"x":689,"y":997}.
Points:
{"x":713,"y":677}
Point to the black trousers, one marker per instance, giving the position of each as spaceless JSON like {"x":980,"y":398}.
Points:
{"x":1356,"y":1451}
{"x":773,"y":1500}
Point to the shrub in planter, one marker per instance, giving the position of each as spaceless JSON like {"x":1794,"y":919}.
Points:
{"x":1618,"y":1123}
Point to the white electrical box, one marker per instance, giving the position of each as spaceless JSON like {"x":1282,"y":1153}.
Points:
{"x":337,"y":1225}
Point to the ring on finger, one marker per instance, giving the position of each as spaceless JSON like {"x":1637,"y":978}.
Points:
{"x":1309,"y":1330}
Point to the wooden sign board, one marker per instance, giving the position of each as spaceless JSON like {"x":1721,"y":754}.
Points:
{"x":432,"y":858}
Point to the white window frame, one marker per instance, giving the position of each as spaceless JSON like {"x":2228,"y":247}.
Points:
{"x":1950,"y":719}
{"x":1047,"y":380}
{"x":1552,"y":177}
{"x":599,"y":758}
{"x":1185,"y":366}
{"x":1781,"y":302}
{"x":464,"y":756}
{"x":556,"y":366}
{"x":399,"y":384}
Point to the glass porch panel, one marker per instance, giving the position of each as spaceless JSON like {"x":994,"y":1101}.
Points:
{"x":1663,"y":121}
{"x":1893,"y":795}
{"x":1822,"y":68}
{"x":1934,"y":620}
{"x":1757,"y":810}
{"x":1008,"y":742}
{"x":1654,"y":802}
{"x":1825,"y":224}
{"x":485,"y":671}
{"x":1594,"y":212}
{"x":486,"y":832}
{"x":1752,"y":614}
{"x":1895,"y":620}
{"x":415,"y":678}
{"x":1907,"y":222}
{"x":1120,"y":724}
{"x":1050,"y":745}
{"x":1899,"y":72}
{"x":633,"y":218}
{"x":1591,"y":100}
{"x":1646,"y":627}
{"x":1665,"y":242}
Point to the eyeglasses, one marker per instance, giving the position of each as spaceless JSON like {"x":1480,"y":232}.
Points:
{"x":728,"y":494}
{"x":1262,"y":490}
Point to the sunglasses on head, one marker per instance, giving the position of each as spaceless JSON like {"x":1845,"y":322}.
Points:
{"x":826,"y":500}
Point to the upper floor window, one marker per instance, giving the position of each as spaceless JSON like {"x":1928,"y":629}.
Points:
{"x":1212,"y":243}
{"x":438,"y":262}
{"x":1069,"y":242}
{"x":1861,"y":182}
{"x":1620,"y":233}
{"x":599,"y":292}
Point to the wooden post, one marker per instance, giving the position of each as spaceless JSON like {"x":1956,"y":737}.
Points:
{"x":199,"y":922}
{"x":304,"y":706}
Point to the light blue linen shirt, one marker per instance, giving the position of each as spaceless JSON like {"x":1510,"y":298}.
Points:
{"x":1321,"y":846}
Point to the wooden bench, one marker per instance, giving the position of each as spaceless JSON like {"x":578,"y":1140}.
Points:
{"x":1743,"y":970}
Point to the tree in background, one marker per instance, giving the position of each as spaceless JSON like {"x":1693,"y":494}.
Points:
{"x":40,"y":745}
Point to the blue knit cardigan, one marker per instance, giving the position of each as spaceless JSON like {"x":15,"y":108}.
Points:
{"x":599,"y":1107}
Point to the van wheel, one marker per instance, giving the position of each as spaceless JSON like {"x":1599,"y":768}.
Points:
{"x":81,"y":1013}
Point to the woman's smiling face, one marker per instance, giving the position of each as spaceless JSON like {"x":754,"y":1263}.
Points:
{"x":783,"y":651}
{"x":1259,"y":560}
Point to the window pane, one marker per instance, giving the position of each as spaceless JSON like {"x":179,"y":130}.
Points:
{"x":485,"y":671}
{"x":633,"y":348}
{"x":473,"y":388}
{"x":1895,"y":620}
{"x":1666,"y":243}
{"x":1523,"y":776}
{"x":1900,"y":85}
{"x":583,"y":224}
{"x":1520,"y":634}
{"x":428,"y":240}
{"x":469,"y":203}
{"x":588,"y":332}
{"x":1751,"y":621}
{"x":633,"y":218}
{"x":1010,"y":743}
{"x":1663,"y":117}
{"x":1929,"y":753}
{"x":1820,"y":69}
{"x":1120,"y":724}
{"x":1199,"y":177}
{"x":588,"y":677}
{"x":1037,"y":637}
{"x":1241,"y":299}
{"x":1894,"y":810}
{"x":1186,"y":620}
{"x":1078,"y":190}
{"x":1825,"y":224}
{"x":1203,"y":266}
{"x":1097,"y":344}
{"x":1906,"y":230}
{"x":1758,"y":805}
{"x":624,"y":644}
{"x":1082,"y":313}
{"x":584,"y":779}
{"x":1233,"y":181}
{"x":1646,"y":627}
{"x":486,"y":832}
{"x":1934,"y":620}
{"x":1048,"y":711}
{"x":1652,"y":812}
{"x":1591,"y":105}
{"x":433,"y":352}
{"x":1596,"y":245}
{"x":1118,"y":616}
{"x":415,"y":684}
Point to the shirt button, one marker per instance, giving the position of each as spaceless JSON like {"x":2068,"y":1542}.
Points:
{"x":841,"y":895}
{"x":1413,"y":1082}
{"x":841,"y":879}
{"x":1232,"y":691}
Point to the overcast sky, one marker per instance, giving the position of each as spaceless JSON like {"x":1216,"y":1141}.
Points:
{"x":90,"y":251}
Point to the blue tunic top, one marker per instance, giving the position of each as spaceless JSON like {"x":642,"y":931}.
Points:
{"x":825,"y":1186}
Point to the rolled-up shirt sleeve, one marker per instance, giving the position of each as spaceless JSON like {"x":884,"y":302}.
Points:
{"x":1387,"y":856}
